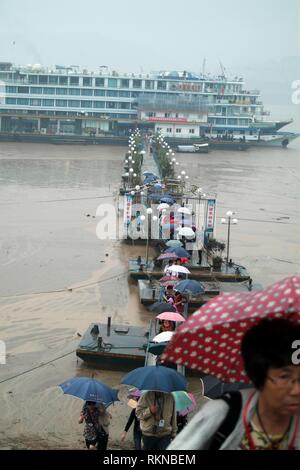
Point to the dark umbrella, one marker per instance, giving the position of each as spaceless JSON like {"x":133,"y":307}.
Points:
{"x":156,"y":378}
{"x":168,"y":200}
{"x":179,"y":251}
{"x":188,"y":286}
{"x":214,"y":388}
{"x":160,"y":307}
{"x":150,"y":179}
{"x":155,"y":197}
{"x":157,"y":348}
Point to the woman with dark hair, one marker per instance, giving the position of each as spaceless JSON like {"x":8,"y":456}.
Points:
{"x":264,"y":418}
{"x":96,"y":429}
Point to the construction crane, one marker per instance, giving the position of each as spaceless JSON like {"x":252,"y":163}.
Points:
{"x":223,"y":70}
{"x":203,"y":66}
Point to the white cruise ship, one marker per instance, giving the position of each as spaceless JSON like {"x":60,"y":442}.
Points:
{"x":180,"y":105}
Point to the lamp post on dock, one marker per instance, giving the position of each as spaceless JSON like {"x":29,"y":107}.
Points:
{"x":148,"y":230}
{"x":229,"y":220}
{"x":201,"y":194}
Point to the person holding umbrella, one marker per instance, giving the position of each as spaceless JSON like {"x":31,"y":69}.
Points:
{"x":156,"y":408}
{"x":157,"y":414}
{"x":97,"y":396}
{"x":257,"y":335}
{"x":266,"y":417}
{"x":96,"y":419}
{"x":134,"y":397}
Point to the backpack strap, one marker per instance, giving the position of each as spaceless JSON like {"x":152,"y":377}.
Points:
{"x":234,"y":401}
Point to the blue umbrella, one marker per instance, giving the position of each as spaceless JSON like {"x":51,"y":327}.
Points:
{"x":156,"y":378}
{"x":150,"y":179}
{"x":160,"y":307}
{"x":168,"y":200}
{"x":89,"y":390}
{"x":188,"y":286}
{"x":179,"y":251}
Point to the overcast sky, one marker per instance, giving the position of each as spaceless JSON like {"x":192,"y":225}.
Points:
{"x":139,"y":35}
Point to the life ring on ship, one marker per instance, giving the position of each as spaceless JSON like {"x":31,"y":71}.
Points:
{"x":285,"y":143}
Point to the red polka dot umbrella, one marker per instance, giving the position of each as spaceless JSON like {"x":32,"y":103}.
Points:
{"x":210,"y":339}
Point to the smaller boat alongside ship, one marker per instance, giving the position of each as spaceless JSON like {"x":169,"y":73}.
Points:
{"x":195,"y":148}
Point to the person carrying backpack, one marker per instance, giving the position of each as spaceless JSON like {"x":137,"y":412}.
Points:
{"x":266,"y":417}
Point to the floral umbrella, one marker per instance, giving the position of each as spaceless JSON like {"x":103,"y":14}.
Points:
{"x":210,"y":339}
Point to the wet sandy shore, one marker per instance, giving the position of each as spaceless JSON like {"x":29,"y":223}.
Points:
{"x":57,"y":277}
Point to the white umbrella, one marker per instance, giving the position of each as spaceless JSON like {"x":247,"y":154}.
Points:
{"x":163,"y":337}
{"x":162,"y":206}
{"x":187,"y":232}
{"x":184,"y":210}
{"x":177,"y":268}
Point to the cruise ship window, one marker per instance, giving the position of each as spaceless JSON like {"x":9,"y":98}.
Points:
{"x":87,"y":92}
{"x":74,"y":80}
{"x":99,"y":81}
{"x":112,"y":93}
{"x":23,"y":101}
{"x":124,"y":83}
{"x":74,"y":91}
{"x":63,"y":80}
{"x":35,"y":102}
{"x":36,"y":90}
{"x":137,"y":83}
{"x":112,"y":83}
{"x":61,"y":103}
{"x":48,"y":102}
{"x":99,"y":104}
{"x":53,"y":80}
{"x":99,"y":92}
{"x":23,"y":89}
{"x":43,"y":79}
{"x":161,"y":85}
{"x":87,"y":81}
{"x":86,"y":104}
{"x":48,"y":91}
{"x":111,"y":105}
{"x":192,"y":131}
{"x":178,"y":131}
{"x":149,"y":84}
{"x":33,"y":79}
{"x":61,"y":91}
{"x":74,"y":104}
{"x":10,"y":100}
{"x":11,"y":89}
{"x":125,"y":94}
